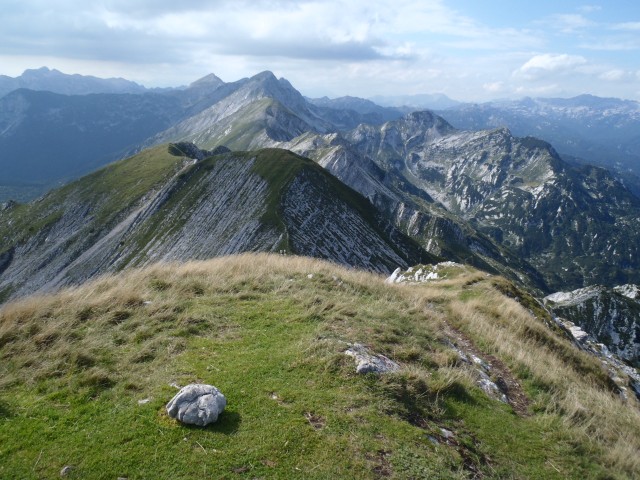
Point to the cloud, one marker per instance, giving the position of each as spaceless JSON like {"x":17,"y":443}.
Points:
{"x":494,"y":87}
{"x":313,"y":29}
{"x":570,"y":23}
{"x":627,"y":26}
{"x":618,"y":75}
{"x":613,"y":75}
{"x":543,"y":65}
{"x":147,"y":32}
{"x":589,"y":8}
{"x":339,"y":46}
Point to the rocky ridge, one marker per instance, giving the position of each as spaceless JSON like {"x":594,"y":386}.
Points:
{"x":194,"y":209}
{"x":591,"y":332}
{"x":600,"y":131}
{"x":517,"y":191}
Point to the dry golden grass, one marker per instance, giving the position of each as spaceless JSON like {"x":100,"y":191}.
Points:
{"x":73,"y":330}
{"x":578,"y":388}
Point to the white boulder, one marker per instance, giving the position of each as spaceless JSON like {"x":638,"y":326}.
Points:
{"x":197,"y":404}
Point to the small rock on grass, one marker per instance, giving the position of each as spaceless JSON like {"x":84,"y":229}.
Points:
{"x":197,"y":404}
{"x":368,"y":362}
{"x":66,"y":470}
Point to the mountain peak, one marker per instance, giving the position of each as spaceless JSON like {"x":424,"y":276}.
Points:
{"x":210,"y":80}
{"x":52,"y":80}
{"x":428,"y":119}
{"x":264,"y":76}
{"x":37,"y":70}
{"x":40,"y":73}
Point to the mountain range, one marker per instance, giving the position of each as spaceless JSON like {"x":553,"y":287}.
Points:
{"x":584,"y":129}
{"x":176,"y":248}
{"x":506,"y":204}
{"x":52,"y":80}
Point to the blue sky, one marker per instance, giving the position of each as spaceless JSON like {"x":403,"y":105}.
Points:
{"x":468,"y":49}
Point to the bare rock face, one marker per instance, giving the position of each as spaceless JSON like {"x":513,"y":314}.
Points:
{"x":197,"y":404}
{"x":368,"y":362}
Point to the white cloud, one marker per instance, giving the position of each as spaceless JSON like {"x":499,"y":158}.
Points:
{"x":569,"y":23}
{"x":627,"y":26}
{"x":359,"y":47}
{"x":549,"y":63}
{"x":614,"y":75}
{"x":589,"y":8}
{"x":494,"y":87}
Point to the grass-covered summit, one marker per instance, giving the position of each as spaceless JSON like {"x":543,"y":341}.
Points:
{"x":85,"y":375}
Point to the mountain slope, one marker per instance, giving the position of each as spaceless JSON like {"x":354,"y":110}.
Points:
{"x":263,"y":88}
{"x":502,"y":203}
{"x":601,"y":131}
{"x":413,"y":210}
{"x":369,"y":111}
{"x":516,"y":190}
{"x":170,"y":207}
{"x":47,"y":137}
{"x":85,"y":376}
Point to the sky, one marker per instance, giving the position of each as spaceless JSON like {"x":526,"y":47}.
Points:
{"x":470,"y":50}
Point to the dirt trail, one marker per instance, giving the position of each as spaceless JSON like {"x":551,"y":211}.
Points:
{"x":504,"y":379}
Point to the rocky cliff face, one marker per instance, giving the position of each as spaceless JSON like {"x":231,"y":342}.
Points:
{"x":269,"y":200}
{"x":409,"y":207}
{"x":517,"y":191}
{"x":600,"y":131}
{"x":610,"y":315}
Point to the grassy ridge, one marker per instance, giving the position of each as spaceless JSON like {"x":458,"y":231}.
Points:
{"x":269,"y":331}
{"x":107,"y":193}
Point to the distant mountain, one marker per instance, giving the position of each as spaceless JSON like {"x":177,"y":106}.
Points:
{"x":517,"y":191}
{"x":48,"y":138}
{"x":600,"y":131}
{"x":247,"y":114}
{"x":58,"y":82}
{"x":162,"y":205}
{"x":611,"y":315}
{"x":263,"y":110}
{"x":372,"y":113}
{"x":505,"y":204}
{"x":425,"y":101}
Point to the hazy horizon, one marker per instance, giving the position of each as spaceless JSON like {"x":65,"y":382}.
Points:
{"x":460,"y":48}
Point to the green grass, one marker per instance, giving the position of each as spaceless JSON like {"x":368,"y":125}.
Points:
{"x":73,"y":367}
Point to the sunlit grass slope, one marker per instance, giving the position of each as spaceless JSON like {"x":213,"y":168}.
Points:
{"x":85,"y":375}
